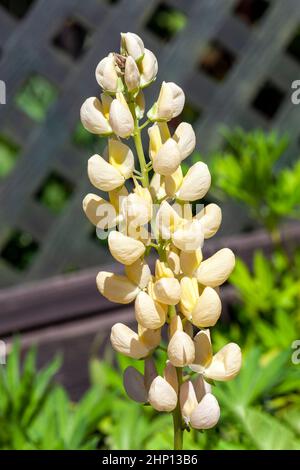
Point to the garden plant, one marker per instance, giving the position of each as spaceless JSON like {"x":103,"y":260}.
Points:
{"x":149,"y":208}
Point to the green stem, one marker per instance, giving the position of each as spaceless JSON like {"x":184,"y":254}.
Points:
{"x":141,"y":156}
{"x":177,"y":419}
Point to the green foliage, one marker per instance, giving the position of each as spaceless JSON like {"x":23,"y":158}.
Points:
{"x":248,"y":171}
{"x":35,"y":97}
{"x":37,"y":414}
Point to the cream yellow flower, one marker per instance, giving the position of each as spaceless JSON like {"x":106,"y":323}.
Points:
{"x":132,"y":74}
{"x":148,"y":68}
{"x":130,"y":343}
{"x":161,"y":392}
{"x":120,"y":117}
{"x":215,"y":270}
{"x":222,"y":366}
{"x":106,"y":74}
{"x":123,"y":289}
{"x":94,"y":115}
{"x":132,"y":45}
{"x":170,"y":103}
{"x":199,"y":410}
{"x":202,"y":309}
{"x":181,"y":350}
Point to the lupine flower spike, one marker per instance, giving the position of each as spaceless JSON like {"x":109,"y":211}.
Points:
{"x":148,"y":208}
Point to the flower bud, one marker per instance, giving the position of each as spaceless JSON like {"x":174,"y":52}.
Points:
{"x":162,"y":395}
{"x":188,"y":400}
{"x":170,"y":375}
{"x":203,"y":351}
{"x":167,"y":159}
{"x":125,"y":249}
{"x":132,"y":74}
{"x":175,"y":325}
{"x":225,"y":364}
{"x":127,"y":342}
{"x":102,"y":175}
{"x":207,"y":309}
{"x":106,"y":74}
{"x":133,"y":382}
{"x":132,"y":45}
{"x":116,"y":288}
{"x":211,"y":218}
{"x":188,"y":236}
{"x":196,"y":183}
{"x":121,"y":157}
{"x":92,"y":117}
{"x":170,"y":103}
{"x":149,"y":313}
{"x":215,"y":270}
{"x":185,"y":138}
{"x":181,"y":351}
{"x":167,"y":291}
{"x":148,"y":68}
{"x":206,"y":414}
{"x":189,"y":261}
{"x":120,"y":117}
{"x":139,"y":273}
{"x":99,"y":212}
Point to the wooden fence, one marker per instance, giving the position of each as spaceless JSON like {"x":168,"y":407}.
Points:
{"x":236,"y":60}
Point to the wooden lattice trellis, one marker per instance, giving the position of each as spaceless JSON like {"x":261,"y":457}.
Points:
{"x":253,"y":61}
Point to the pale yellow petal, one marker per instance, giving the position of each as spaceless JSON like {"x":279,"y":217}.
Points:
{"x":207,"y":414}
{"x":162,"y":395}
{"x":99,"y":212}
{"x":207,"y":309}
{"x":226,"y":364}
{"x":102,"y":175}
{"x":215,"y":270}
{"x":121,"y":157}
{"x":116,"y":288}
{"x":148,"y":313}
{"x":167,"y":291}
{"x":188,"y":400}
{"x":127,"y":342}
{"x":125,"y":249}
{"x":139,"y":273}
{"x":211,"y":218}
{"x":190,"y":261}
{"x":181,"y":350}
{"x":196,"y":183}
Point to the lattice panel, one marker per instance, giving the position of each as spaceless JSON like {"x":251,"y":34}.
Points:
{"x":236,"y":60}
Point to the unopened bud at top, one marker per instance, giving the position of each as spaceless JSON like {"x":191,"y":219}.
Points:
{"x":132,"y":45}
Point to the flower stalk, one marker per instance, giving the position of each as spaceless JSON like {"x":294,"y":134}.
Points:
{"x":181,"y":295}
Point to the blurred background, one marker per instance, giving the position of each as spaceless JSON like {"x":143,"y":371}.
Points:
{"x":236,"y":61}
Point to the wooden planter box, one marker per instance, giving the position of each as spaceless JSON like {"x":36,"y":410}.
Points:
{"x":67,"y":315}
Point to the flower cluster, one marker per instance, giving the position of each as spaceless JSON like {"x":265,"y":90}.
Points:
{"x":182,"y":292}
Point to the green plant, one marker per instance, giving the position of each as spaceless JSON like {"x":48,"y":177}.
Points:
{"x":35,"y":413}
{"x":249,"y":170}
